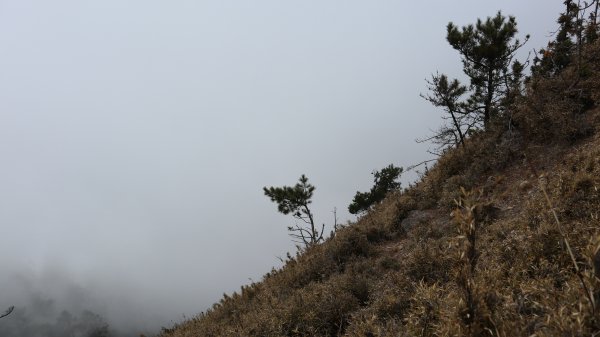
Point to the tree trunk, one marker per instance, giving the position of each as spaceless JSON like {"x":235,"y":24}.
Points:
{"x":313,"y":230}
{"x":457,"y":126}
{"x":488,"y":100}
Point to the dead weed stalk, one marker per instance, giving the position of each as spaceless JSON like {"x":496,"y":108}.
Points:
{"x":473,"y":315}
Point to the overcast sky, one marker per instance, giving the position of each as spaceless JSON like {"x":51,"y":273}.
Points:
{"x":136,"y":136}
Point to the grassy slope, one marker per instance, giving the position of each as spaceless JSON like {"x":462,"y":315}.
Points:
{"x":403,"y":269}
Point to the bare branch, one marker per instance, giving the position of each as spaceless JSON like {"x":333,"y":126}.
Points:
{"x":7,"y":312}
{"x":424,"y":162}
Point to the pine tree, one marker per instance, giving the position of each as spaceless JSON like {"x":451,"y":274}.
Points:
{"x":487,"y":51}
{"x":384,"y":182}
{"x":295,"y":200}
{"x":446,"y":94}
{"x":557,"y":55}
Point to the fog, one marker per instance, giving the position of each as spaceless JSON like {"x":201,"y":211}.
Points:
{"x":136,"y":137}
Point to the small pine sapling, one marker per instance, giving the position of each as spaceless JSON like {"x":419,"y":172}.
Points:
{"x":295,"y":200}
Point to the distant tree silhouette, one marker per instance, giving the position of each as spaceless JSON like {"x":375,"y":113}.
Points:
{"x":295,"y":200}
{"x":24,"y":323}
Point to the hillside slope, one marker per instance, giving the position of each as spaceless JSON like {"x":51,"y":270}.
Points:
{"x":474,"y":248}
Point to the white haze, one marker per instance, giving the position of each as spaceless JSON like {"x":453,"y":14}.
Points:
{"x":136,"y":136}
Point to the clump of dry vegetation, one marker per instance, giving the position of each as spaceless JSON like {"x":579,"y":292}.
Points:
{"x":501,"y":237}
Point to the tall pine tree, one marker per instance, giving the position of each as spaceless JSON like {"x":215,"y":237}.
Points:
{"x":487,"y":52}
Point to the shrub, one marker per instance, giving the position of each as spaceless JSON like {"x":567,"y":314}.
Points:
{"x":385,"y":181}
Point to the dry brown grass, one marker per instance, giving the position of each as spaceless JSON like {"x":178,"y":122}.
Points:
{"x":520,"y":257}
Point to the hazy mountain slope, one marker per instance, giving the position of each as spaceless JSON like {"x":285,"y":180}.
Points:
{"x":407,"y":268}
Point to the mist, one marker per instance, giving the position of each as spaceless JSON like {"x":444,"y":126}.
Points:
{"x":52,"y":303}
{"x":136,"y":138}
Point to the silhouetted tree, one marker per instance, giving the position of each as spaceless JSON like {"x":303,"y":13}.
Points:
{"x":87,"y":324}
{"x":557,"y":55}
{"x":446,"y":95}
{"x":384,"y":182}
{"x":591,"y":32}
{"x":295,"y":200}
{"x":573,"y":33}
{"x":487,"y":51}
